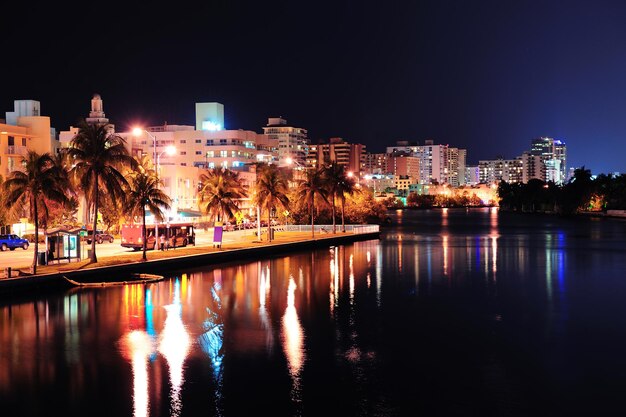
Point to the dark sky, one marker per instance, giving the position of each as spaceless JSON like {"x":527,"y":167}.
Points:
{"x":488,"y":76}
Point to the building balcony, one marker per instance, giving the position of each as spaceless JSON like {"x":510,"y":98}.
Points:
{"x":16,"y":150}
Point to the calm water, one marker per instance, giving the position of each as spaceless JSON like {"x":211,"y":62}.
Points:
{"x":474,"y":313}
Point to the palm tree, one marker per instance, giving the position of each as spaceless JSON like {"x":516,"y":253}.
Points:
{"x":42,"y":180}
{"x":346,"y":186}
{"x":97,"y":156}
{"x":310,"y":187}
{"x":145,"y":192}
{"x":219,"y":193}
{"x":333,"y":175}
{"x":271,"y":191}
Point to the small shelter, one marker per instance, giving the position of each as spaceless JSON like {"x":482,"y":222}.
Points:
{"x":62,"y":243}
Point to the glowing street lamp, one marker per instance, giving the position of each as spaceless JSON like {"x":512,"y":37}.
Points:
{"x":138,"y":131}
{"x":170,"y":151}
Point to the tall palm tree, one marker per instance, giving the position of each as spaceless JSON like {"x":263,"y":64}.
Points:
{"x":271,"y":191}
{"x":346,"y":186}
{"x":144,"y":191}
{"x":98,"y":157}
{"x":220,"y":192}
{"x":333,"y":175}
{"x":310,"y":187}
{"x":41,"y":181}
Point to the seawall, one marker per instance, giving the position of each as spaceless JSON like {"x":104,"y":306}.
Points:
{"x":109,"y":273}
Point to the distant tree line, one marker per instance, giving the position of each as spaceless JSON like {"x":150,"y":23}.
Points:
{"x":580,"y":194}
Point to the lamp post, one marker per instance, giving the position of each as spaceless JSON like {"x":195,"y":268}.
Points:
{"x":170,"y":150}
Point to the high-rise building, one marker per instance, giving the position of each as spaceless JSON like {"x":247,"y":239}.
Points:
{"x":472,"y":175}
{"x":293,"y":143}
{"x":532,"y":167}
{"x":456,"y":166}
{"x":500,"y":169}
{"x":25,"y":130}
{"x":438,"y":164}
{"x":403,"y":165}
{"x":349,"y":155}
{"x":376,"y":163}
{"x":553,"y":154}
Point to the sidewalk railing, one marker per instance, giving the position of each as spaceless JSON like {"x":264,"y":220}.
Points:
{"x":319,"y":229}
{"x":328,"y":228}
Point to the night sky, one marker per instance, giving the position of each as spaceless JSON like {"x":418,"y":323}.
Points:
{"x":488,"y":76}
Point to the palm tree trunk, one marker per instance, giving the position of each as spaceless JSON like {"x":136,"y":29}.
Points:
{"x":269,"y":225}
{"x":313,"y":217}
{"x":93,"y":258}
{"x":143,"y":231}
{"x":36,"y":214}
{"x":333,"y":213}
{"x":343,"y":209}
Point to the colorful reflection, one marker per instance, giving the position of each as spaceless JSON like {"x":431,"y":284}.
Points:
{"x":174,"y":343}
{"x":293,"y":340}
{"x":137,"y":347}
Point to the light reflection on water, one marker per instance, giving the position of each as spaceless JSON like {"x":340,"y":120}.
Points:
{"x":293,"y":341}
{"x":338,"y":325}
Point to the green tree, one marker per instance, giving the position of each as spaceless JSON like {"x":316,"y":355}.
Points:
{"x":219,"y":193}
{"x":310,"y":187}
{"x":98,"y":157}
{"x":40,"y":182}
{"x":271,"y":192}
{"x":144,"y":192}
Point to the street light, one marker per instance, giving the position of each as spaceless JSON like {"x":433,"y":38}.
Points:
{"x":290,"y":161}
{"x":138,"y":131}
{"x":156,"y":159}
{"x":170,"y":151}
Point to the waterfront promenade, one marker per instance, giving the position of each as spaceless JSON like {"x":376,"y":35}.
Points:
{"x":236,"y":246}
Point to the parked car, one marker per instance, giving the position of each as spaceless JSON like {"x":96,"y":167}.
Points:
{"x":100,"y":237}
{"x":12,"y":241}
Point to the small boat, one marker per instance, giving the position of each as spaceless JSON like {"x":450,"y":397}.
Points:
{"x":135,"y":279}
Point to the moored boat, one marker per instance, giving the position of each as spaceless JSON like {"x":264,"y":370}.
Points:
{"x":135,"y":279}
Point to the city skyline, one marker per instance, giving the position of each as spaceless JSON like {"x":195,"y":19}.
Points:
{"x":486,"y":77}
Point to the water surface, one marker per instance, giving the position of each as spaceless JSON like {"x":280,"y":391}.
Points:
{"x":452,"y":312}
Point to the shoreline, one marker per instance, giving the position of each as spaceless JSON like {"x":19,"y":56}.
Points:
{"x":254,"y":250}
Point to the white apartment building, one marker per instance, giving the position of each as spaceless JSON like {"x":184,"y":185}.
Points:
{"x":499,"y":169}
{"x":193,"y":150}
{"x":438,"y":163}
{"x":293,"y":143}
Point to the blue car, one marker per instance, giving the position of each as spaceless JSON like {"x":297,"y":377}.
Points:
{"x":11,"y":242}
